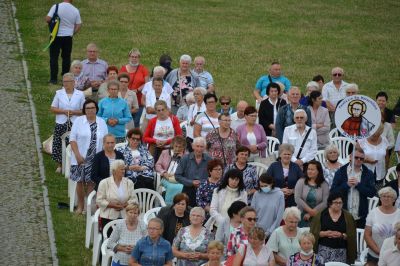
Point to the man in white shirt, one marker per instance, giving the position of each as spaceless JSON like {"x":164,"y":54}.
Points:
{"x":70,"y":23}
{"x":238,"y":117}
{"x":391,"y":257}
{"x":333,"y":91}
{"x":297,"y":134}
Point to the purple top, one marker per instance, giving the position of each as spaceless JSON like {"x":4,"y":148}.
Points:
{"x":95,"y":70}
{"x":260,"y":137}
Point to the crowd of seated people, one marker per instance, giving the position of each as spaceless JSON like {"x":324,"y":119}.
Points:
{"x":301,"y":211}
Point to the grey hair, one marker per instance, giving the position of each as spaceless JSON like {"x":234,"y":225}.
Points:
{"x":76,"y":63}
{"x":337,"y":69}
{"x":200,"y":140}
{"x":351,"y":86}
{"x":69,"y":75}
{"x":329,"y":148}
{"x":387,"y":190}
{"x":301,"y":111}
{"x":116,"y":164}
{"x":189,"y":97}
{"x":202,"y":90}
{"x":108,"y":135}
{"x":313,"y":84}
{"x":292,"y":211}
{"x":294,"y":88}
{"x":200,"y":58}
{"x":159,"y":69}
{"x":157,"y":220}
{"x":113,"y":82}
{"x":286,"y":147}
{"x":186,"y":58}
{"x":198,"y":210}
{"x":307,"y":235}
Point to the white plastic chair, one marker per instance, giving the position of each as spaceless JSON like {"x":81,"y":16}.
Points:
{"x":372,"y":203}
{"x":67,"y":169}
{"x":361,"y":245}
{"x":63,"y":150}
{"x":335,"y":263}
{"x":320,"y":156}
{"x":157,"y":182}
{"x":72,"y":194}
{"x":343,"y":145}
{"x":210,"y":223}
{"x":89,"y":219}
{"x":106,"y":254}
{"x":120,"y":145}
{"x":97,"y":238}
{"x":273,"y":144}
{"x":148,"y":199}
{"x":261,"y":168}
{"x":150,"y":214}
{"x":391,"y":174}
{"x":334,"y":133}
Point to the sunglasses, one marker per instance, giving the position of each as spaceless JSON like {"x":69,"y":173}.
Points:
{"x":225,"y":103}
{"x":337,"y":74}
{"x":252,"y":219}
{"x":359,"y":158}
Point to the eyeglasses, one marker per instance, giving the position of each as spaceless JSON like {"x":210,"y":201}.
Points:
{"x":299,"y":117}
{"x":337,"y":202}
{"x":359,"y":158}
{"x":225,"y":103}
{"x":88,"y":108}
{"x":136,"y":139}
{"x":153,"y":228}
{"x":252,"y":115}
{"x":337,"y":74}
{"x":252,"y":219}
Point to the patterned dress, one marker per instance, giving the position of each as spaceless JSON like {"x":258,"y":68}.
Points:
{"x":315,"y":260}
{"x":223,"y":148}
{"x":204,"y":194}
{"x":82,"y":172}
{"x":186,"y":243}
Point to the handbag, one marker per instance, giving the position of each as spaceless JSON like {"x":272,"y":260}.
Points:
{"x":47,"y":145}
{"x":88,"y":92}
{"x":230,"y":259}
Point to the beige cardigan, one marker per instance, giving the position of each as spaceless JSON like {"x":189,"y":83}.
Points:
{"x":108,"y":191}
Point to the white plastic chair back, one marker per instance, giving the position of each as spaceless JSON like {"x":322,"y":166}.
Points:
{"x":343,"y":145}
{"x":361,"y":245}
{"x":320,"y":156}
{"x":334,"y":133}
{"x":120,"y":145}
{"x":372,"y":203}
{"x":391,"y":174}
{"x":335,"y":263}
{"x":89,"y":218}
{"x":63,"y":148}
{"x":150,"y":214}
{"x":261,"y":168}
{"x":273,"y":144}
{"x":106,"y":254}
{"x":96,"y":239}
{"x":148,"y":199}
{"x":67,"y":169}
{"x":157,"y":182}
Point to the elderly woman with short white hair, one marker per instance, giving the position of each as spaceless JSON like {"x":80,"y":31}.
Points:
{"x":331,"y":163}
{"x":114,"y":194}
{"x":380,"y":223}
{"x":82,"y":82}
{"x":183,"y":80}
{"x":190,"y":244}
{"x":310,"y":87}
{"x":284,"y":240}
{"x":158,"y":72}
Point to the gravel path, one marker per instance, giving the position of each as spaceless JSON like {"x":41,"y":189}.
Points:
{"x":23,"y":225}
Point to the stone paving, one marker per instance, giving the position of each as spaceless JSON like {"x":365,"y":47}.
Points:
{"x":23,"y":227}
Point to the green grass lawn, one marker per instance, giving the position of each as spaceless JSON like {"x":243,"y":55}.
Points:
{"x":239,"y":40}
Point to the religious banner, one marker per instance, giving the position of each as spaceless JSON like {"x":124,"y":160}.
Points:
{"x":357,"y":117}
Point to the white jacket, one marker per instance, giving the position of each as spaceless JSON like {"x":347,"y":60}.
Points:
{"x":218,"y":200}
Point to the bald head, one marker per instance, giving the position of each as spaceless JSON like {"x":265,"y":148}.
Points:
{"x":241,"y":105}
